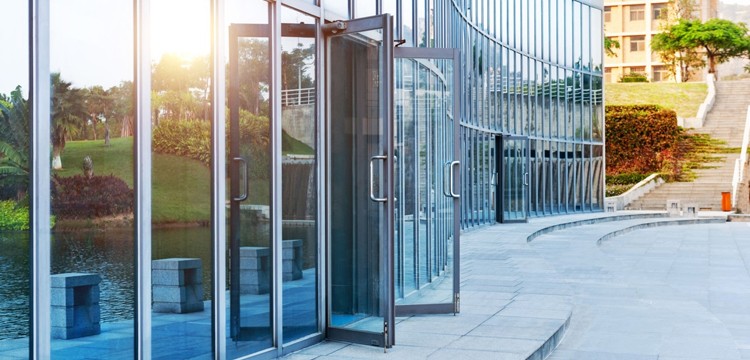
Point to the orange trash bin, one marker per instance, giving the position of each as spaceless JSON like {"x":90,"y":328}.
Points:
{"x":726,"y":201}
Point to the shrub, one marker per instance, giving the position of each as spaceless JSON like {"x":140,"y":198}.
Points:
{"x":642,"y":139}
{"x":630,"y":178}
{"x":192,"y":138}
{"x":13,"y":217}
{"x":78,"y":197}
{"x":634,"y":77}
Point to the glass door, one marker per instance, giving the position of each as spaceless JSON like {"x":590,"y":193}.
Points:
{"x":427,"y":173}
{"x":250,"y":182}
{"x":513,"y":185}
{"x":361,"y":202}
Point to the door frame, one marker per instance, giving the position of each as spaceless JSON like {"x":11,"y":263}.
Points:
{"x":500,"y":141}
{"x":383,"y":22}
{"x":454,"y":172}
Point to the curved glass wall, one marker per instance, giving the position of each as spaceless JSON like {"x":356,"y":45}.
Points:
{"x":164,"y":268}
{"x":532,"y":69}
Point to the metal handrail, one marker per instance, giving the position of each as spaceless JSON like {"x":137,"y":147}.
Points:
{"x":303,"y":96}
{"x":739,"y":164}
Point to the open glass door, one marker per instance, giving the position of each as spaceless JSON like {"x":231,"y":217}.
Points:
{"x":427,"y":173}
{"x":513,"y":164}
{"x":361,"y":202}
{"x":250,"y":237}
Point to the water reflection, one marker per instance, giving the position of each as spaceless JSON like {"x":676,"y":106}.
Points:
{"x":108,"y":253}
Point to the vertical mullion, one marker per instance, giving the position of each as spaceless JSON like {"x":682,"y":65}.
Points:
{"x":276,"y":206}
{"x":218,"y":183}
{"x":39,"y":95}
{"x":142,"y":171}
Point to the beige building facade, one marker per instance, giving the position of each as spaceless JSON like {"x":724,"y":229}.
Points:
{"x":633,"y":24}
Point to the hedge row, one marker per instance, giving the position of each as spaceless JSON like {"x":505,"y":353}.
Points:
{"x":192,"y":138}
{"x":80,"y":197}
{"x":642,"y":139}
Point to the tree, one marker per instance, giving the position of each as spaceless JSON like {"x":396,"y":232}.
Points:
{"x":14,"y":143}
{"x":720,"y":39}
{"x":681,"y":57}
{"x":255,"y":72}
{"x":68,"y":116}
{"x":610,"y":44}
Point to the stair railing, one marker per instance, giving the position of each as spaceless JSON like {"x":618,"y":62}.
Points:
{"x":708,"y":103}
{"x":739,"y":164}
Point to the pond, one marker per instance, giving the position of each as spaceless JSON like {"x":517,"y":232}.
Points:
{"x":108,"y":253}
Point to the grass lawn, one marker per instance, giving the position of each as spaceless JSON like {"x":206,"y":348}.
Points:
{"x":181,"y":186}
{"x":684,"y":98}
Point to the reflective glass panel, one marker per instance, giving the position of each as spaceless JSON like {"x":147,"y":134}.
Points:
{"x":15,"y":124}
{"x":181,"y":264}
{"x":299,"y":180}
{"x":92,"y":244}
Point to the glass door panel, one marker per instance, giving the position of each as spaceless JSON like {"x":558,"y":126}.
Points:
{"x":361,"y":181}
{"x":426,"y":163}
{"x":250,"y":250}
{"x":513,"y":186}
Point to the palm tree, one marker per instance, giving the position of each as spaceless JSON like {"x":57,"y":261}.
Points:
{"x":14,"y":143}
{"x":14,"y":169}
{"x":68,"y":115}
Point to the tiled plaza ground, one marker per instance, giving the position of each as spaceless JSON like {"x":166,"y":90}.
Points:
{"x":669,"y":292}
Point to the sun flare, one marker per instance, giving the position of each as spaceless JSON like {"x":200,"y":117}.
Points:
{"x":181,"y":27}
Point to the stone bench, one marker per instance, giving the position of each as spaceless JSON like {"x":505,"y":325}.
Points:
{"x":177,"y":285}
{"x":255,"y":270}
{"x":75,"y":305}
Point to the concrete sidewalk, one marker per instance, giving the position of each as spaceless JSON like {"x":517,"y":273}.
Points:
{"x":674,"y":292}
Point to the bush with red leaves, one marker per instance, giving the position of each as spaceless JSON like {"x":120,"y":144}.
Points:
{"x":79,"y":197}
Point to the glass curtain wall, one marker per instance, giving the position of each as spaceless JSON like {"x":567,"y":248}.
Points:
{"x":537,"y":74}
{"x":181,"y":262}
{"x":92,"y":204}
{"x":15,"y":122}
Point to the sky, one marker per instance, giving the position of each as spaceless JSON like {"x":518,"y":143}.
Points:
{"x":91,"y":40}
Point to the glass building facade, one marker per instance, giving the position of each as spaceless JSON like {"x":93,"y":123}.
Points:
{"x":252,"y":177}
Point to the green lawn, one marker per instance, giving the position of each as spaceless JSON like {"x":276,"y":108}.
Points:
{"x":684,"y":98}
{"x":181,"y":186}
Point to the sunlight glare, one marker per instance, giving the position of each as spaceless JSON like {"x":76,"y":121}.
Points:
{"x":180,"y":27}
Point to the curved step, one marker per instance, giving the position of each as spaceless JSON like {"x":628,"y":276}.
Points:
{"x":610,"y":235}
{"x":549,"y":229}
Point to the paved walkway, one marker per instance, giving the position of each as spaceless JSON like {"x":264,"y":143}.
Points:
{"x":673,"y":292}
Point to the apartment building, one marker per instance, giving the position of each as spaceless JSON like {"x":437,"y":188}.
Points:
{"x":633,"y":24}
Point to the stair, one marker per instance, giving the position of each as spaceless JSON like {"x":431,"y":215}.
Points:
{"x":725,"y":121}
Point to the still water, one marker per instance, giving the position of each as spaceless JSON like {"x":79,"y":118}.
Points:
{"x":108,"y":253}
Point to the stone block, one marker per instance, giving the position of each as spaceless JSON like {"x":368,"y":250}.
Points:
{"x":255,"y":270}
{"x":673,"y":207}
{"x":177,"y":285}
{"x":291,"y":259}
{"x":75,"y":310}
{"x":610,"y":205}
{"x":690,"y":210}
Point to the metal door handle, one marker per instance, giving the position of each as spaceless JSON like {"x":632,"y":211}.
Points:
{"x":453,"y":164}
{"x":493,"y":179}
{"x":372,"y":179}
{"x":446,"y":179}
{"x":242,"y":196}
{"x":526,"y":178}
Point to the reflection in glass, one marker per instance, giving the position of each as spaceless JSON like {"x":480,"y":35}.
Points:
{"x":250,"y":247}
{"x":357,"y":178}
{"x":14,"y":189}
{"x":92,"y":247}
{"x":298,"y":174}
{"x":181,"y":265}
